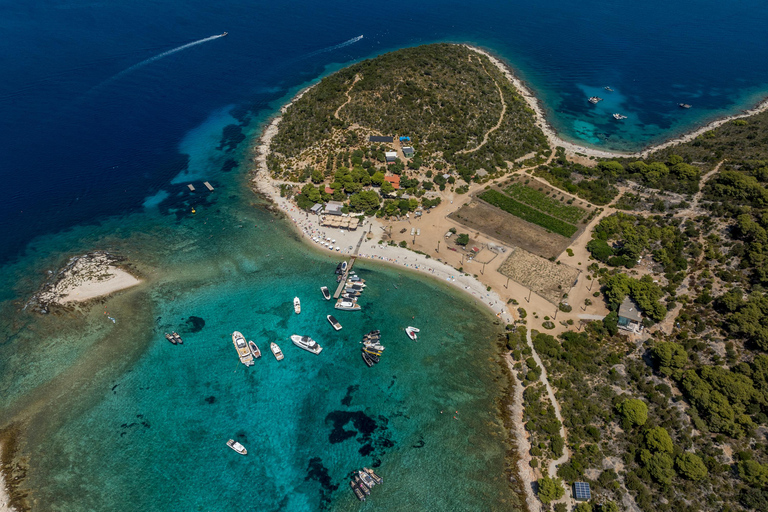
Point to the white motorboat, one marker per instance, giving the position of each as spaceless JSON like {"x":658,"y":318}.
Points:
{"x":237,"y":447}
{"x":306,"y":343}
{"x":276,"y":350}
{"x":254,"y":350}
{"x":326,"y":293}
{"x":243,"y":351}
{"x":619,"y":117}
{"x":296,"y":305}
{"x":411,"y":332}
{"x":346,"y":305}
{"x":335,"y":323}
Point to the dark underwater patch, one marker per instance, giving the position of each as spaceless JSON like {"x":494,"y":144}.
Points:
{"x":231,"y":136}
{"x":210,"y":399}
{"x":317,"y":471}
{"x":348,"y":397}
{"x":195,"y":323}
{"x":363,"y":424}
{"x":229,"y":165}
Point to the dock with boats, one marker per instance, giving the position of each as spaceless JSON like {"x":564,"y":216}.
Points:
{"x":348,"y":270}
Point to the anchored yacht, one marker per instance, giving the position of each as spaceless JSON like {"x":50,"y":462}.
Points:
{"x":306,"y":343}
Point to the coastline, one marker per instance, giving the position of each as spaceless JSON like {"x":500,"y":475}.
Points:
{"x":572,"y":148}
{"x":5,"y":496}
{"x":83,"y":278}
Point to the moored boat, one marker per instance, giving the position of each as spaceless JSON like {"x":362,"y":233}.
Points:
{"x":335,"y":323}
{"x":367,"y":359}
{"x":178,"y":338}
{"x":347,"y":305}
{"x":619,"y":117}
{"x":683,"y":105}
{"x":276,"y":351}
{"x":237,"y":447}
{"x":343,"y":266}
{"x":366,"y":478}
{"x":306,"y":343}
{"x":296,"y":305}
{"x":170,"y":338}
{"x":326,"y":293}
{"x":411,"y":332}
{"x":254,"y":349}
{"x":357,"y":491}
{"x":243,"y":351}
{"x":375,"y":477}
{"x":594,"y":99}
{"x":608,"y":89}
{"x":362,"y":485}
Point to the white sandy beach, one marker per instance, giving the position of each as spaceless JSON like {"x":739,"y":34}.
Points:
{"x":117,"y":280}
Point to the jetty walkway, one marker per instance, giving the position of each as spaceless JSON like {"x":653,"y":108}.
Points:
{"x":351,"y":263}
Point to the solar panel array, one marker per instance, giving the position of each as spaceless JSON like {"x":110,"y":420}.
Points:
{"x":581,"y":491}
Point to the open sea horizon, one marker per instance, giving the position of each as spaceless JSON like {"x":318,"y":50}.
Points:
{"x":111,"y":108}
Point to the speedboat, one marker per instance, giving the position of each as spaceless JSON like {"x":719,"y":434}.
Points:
{"x":276,"y":350}
{"x":237,"y":447}
{"x":355,"y":284}
{"x":243,"y":351}
{"x":594,"y":99}
{"x":683,"y":105}
{"x":608,"y":89}
{"x":170,"y":338}
{"x":373,"y":345}
{"x":326,"y":293}
{"x":225,"y":33}
{"x":356,"y":279}
{"x":178,"y":338}
{"x":362,"y":485}
{"x":411,"y":332}
{"x":296,"y":305}
{"x":343,"y":266}
{"x":367,"y":359}
{"x":335,"y":323}
{"x":254,"y":349}
{"x":306,"y":343}
{"x":619,"y":117}
{"x":346,"y":305}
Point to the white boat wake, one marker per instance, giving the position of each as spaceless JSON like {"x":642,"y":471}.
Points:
{"x":334,"y":47}
{"x":154,"y":59}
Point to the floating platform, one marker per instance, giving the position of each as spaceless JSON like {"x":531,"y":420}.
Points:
{"x":191,"y":187}
{"x":208,"y":186}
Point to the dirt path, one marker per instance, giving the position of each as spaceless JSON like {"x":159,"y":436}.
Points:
{"x":565,"y":457}
{"x":497,"y":125}
{"x":524,"y":469}
{"x":349,"y":98}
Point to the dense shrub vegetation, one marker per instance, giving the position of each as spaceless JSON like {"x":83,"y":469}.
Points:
{"x":527,"y":213}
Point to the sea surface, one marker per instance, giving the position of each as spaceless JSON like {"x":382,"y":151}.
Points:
{"x":109,"y":109}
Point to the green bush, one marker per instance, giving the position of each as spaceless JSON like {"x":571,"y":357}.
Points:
{"x":546,"y":204}
{"x":550,"y":489}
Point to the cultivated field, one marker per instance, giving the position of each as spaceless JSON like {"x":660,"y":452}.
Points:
{"x":544,"y":277}
{"x":509,"y":229}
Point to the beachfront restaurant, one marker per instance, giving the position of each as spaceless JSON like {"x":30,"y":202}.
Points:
{"x":333,"y":208}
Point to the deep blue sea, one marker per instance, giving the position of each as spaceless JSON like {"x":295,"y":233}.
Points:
{"x":108,"y":109}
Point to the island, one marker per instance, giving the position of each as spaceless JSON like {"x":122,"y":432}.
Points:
{"x":632,"y":286}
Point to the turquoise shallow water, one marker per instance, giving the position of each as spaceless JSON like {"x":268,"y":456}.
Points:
{"x":117,"y":418}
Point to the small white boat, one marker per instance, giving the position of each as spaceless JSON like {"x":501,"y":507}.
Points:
{"x":411,"y":332}
{"x":335,"y":323}
{"x":326,"y":293}
{"x":276,"y":350}
{"x":346,"y":305}
{"x":306,"y":343}
{"x":296,"y":305}
{"x":254,"y":350}
{"x":237,"y":447}
{"x":343,"y":266}
{"x":619,"y":117}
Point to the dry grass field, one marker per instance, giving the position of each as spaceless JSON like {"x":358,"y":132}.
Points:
{"x":546,"y":278}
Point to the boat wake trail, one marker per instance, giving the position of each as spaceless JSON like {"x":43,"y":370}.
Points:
{"x":331,"y":48}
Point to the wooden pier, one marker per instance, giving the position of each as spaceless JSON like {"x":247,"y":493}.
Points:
{"x":191,"y":187}
{"x":208,"y":186}
{"x":351,"y":263}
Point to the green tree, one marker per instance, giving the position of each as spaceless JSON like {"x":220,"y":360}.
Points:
{"x":691,"y":466}
{"x":753,"y":473}
{"x":387,"y":188}
{"x":550,"y":489}
{"x":670,"y":357}
{"x":609,"y":506}
{"x":657,"y":439}
{"x":634,"y":411}
{"x":462,"y":239}
{"x":659,"y":466}
{"x":317,"y":176}
{"x":377,"y":179}
{"x":583,"y":507}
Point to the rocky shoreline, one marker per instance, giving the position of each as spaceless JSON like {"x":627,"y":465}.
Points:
{"x":84,"y":277}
